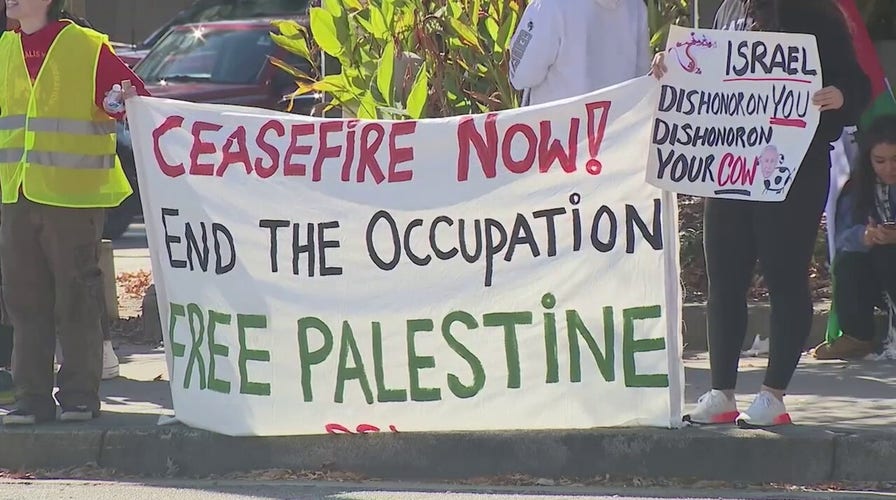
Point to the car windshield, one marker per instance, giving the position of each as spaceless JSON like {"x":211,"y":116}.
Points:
{"x":235,"y":56}
{"x":205,"y":11}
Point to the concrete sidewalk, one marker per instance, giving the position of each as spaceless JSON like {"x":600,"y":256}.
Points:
{"x":845,"y":414}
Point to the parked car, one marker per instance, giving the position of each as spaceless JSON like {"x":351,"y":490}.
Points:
{"x":224,"y":62}
{"x":206,"y":11}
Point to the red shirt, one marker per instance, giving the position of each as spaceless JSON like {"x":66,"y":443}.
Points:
{"x":109,"y":71}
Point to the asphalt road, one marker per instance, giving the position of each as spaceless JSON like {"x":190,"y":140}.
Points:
{"x":252,"y":490}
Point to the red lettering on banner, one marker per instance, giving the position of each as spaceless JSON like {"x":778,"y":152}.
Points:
{"x":543,"y":147}
{"x":241,"y":155}
{"x":486,"y":148}
{"x":367,"y":159}
{"x":350,"y":150}
{"x":201,"y":147}
{"x":733,"y":170}
{"x":170,"y":123}
{"x":360,"y":429}
{"x":551,"y":150}
{"x":519,"y":166}
{"x":397,"y":155}
{"x":325,"y":151}
{"x":374,"y":150}
{"x":270,"y":149}
{"x":297,"y":131}
{"x":597,"y":127}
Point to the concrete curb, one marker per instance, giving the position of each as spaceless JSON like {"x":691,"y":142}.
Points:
{"x":799,"y":455}
{"x":758,"y":315}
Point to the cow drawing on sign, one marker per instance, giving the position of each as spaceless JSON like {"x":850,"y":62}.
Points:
{"x":777,"y":175}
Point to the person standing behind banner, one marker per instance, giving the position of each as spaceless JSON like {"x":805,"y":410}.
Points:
{"x":567,"y":48}
{"x":780,"y":235}
{"x":58,"y":171}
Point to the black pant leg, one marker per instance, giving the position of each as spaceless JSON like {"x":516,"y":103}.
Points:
{"x":786,"y":233}
{"x":856,"y":291}
{"x":730,"y":260}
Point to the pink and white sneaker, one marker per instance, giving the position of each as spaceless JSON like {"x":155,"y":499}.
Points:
{"x":714,"y":407}
{"x":766,"y":411}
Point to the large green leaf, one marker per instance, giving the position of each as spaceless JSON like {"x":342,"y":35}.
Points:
{"x":292,"y":70}
{"x":288,"y":28}
{"x":333,"y":7}
{"x":385,"y":74}
{"x":378,"y":28}
{"x":296,"y":45}
{"x":466,"y":34}
{"x":419,"y":92}
{"x":323,"y":25}
{"x":367,"y":107}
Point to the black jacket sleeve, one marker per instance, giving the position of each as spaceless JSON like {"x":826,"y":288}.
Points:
{"x":840,"y":68}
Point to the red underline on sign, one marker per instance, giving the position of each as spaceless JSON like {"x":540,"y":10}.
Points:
{"x":770,"y":79}
{"x":788,"y":122}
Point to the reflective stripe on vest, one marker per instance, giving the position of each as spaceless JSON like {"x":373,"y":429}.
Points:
{"x":77,"y":127}
{"x":57,"y":159}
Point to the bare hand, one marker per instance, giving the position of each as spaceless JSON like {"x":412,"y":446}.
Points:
{"x":870,"y":236}
{"x":877,"y":234}
{"x":658,"y":66}
{"x":828,"y":98}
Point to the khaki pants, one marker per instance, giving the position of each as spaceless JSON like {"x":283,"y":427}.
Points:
{"x":52,"y":283}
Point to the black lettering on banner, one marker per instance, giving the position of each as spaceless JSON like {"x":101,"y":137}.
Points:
{"x":170,"y":238}
{"x":274,"y":225}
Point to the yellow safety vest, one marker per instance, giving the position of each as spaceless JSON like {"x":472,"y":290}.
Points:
{"x":56,"y":146}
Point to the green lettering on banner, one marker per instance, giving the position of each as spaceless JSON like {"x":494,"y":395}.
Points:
{"x":605,"y":360}
{"x":417,"y":363}
{"x":245,"y":322}
{"x":344,"y":372}
{"x":552,"y":357}
{"x":214,"y":319}
{"x":383,"y":394}
{"x":308,"y":358}
{"x":630,"y":346}
{"x":457,"y":387}
{"x":511,"y":346}
{"x":176,"y":310}
{"x":195,"y":313}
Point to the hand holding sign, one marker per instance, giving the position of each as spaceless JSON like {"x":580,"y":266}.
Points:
{"x":828,"y":99}
{"x":658,"y":66}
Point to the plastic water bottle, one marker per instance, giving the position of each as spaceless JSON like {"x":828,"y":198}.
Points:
{"x":114,"y":102}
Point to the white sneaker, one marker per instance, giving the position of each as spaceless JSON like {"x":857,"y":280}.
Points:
{"x":766,"y":411}
{"x":110,"y":361}
{"x":714,"y":407}
{"x":760,"y":347}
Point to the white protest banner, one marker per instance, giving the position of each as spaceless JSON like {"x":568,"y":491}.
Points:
{"x":501,"y":271}
{"x":735,"y":116}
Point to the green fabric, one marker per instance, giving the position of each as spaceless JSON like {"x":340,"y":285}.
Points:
{"x":883,"y":104}
{"x":833,"y":332}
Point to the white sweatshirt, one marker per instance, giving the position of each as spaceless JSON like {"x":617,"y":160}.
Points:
{"x":566,"y":48}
